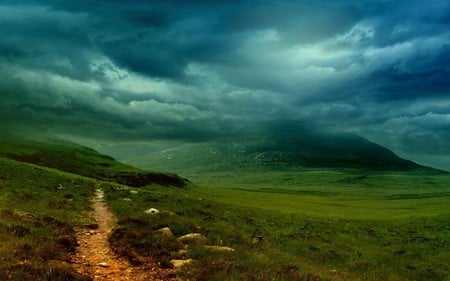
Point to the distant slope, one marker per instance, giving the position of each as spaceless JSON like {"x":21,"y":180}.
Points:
{"x":277,"y":145}
{"x":70,"y":157}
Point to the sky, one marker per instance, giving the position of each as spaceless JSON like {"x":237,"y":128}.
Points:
{"x":136,"y":70}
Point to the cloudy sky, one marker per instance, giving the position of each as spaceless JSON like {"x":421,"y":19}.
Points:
{"x":193,"y":70}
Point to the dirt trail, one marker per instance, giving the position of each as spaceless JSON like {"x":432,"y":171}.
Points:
{"x":95,"y":258}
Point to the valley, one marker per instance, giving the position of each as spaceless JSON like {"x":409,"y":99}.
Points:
{"x":239,"y":140}
{"x":285,"y":224}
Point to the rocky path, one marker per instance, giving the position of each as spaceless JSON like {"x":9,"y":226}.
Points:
{"x":95,"y":258}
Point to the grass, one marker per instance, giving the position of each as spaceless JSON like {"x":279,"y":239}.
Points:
{"x":39,"y":208}
{"x":80,"y":160}
{"x":323,"y":225}
{"x":314,"y":224}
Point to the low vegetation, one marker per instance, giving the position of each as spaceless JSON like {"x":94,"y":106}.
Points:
{"x":389,"y":236}
{"x":39,"y":209}
{"x":80,"y":160}
{"x":305,"y":224}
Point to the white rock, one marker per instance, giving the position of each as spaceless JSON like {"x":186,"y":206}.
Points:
{"x":126,"y":199}
{"x":193,"y":239}
{"x":152,"y":211}
{"x":220,"y":248}
{"x":134,"y":191}
{"x":166,"y":232}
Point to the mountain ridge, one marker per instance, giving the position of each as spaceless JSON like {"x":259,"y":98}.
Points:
{"x":276,"y":145}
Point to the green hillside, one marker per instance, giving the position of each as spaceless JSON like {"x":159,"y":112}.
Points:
{"x":39,"y":209}
{"x":277,"y":145}
{"x":73,"y":158}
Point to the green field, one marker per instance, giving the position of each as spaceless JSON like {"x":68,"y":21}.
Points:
{"x":350,"y":194}
{"x":314,"y":224}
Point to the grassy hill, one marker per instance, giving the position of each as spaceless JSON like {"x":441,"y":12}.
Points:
{"x":277,"y":145}
{"x":73,"y":158}
{"x":39,"y":209}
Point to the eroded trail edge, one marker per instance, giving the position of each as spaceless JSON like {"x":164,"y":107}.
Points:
{"x":95,"y":258}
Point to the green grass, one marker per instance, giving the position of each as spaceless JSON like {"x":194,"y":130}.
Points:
{"x":316,"y":225}
{"x":39,"y":208}
{"x":80,"y":160}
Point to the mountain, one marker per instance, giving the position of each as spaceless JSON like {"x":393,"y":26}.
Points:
{"x":74,"y":158}
{"x":276,"y":145}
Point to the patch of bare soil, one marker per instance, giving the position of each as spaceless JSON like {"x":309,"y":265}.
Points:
{"x":95,"y":258}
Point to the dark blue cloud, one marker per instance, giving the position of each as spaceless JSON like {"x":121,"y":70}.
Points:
{"x":197,"y":69}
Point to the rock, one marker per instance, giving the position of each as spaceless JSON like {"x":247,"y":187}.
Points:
{"x":126,"y":199}
{"x":152,"y":211}
{"x":103,"y":264}
{"x":60,"y":186}
{"x":220,"y":249}
{"x":165,"y":231}
{"x":257,"y":239}
{"x":134,"y":191}
{"x":192,"y":239}
{"x":177,"y":264}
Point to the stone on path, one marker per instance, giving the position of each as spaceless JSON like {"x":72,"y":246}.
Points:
{"x":177,"y":264}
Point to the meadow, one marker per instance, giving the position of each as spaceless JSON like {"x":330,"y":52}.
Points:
{"x":314,"y":224}
{"x":304,"y":224}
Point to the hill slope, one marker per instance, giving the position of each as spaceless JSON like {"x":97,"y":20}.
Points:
{"x":277,"y":145}
{"x":73,"y":158}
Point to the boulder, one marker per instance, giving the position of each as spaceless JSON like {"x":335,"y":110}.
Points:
{"x":193,"y":239}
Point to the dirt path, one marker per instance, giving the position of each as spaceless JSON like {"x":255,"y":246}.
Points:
{"x":95,"y":258}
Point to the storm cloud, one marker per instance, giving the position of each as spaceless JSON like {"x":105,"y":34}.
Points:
{"x":194,"y":70}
